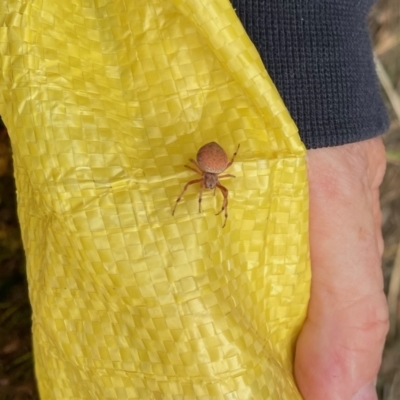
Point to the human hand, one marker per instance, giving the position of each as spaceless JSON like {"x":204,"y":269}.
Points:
{"x":339,"y":349}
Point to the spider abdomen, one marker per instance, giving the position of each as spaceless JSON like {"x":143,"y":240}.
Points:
{"x":212,"y":158}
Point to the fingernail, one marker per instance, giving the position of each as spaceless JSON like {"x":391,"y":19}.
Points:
{"x":367,"y":392}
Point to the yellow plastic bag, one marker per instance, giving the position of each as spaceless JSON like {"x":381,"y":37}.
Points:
{"x":105,"y":101}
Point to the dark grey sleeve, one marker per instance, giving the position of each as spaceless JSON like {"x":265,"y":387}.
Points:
{"x":319,"y":55}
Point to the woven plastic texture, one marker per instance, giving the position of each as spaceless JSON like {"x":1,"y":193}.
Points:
{"x":105,"y":101}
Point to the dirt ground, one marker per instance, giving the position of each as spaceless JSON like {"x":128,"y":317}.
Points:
{"x":385,"y":27}
{"x":16,"y":365}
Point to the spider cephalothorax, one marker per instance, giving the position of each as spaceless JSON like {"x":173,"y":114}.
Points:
{"x":211,"y":162}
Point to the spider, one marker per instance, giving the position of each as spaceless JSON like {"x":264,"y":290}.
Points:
{"x":211,"y":162}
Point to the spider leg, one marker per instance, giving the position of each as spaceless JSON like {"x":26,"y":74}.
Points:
{"x":183,"y":191}
{"x":199,"y":170}
{"x":226,"y":176}
{"x":224,"y":192}
{"x":233,"y":157}
{"x":201,"y":195}
{"x":194,"y":169}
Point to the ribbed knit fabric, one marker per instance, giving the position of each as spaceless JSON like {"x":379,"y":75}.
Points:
{"x":319,"y":56}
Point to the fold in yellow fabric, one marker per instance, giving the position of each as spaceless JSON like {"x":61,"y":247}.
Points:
{"x":105,"y":101}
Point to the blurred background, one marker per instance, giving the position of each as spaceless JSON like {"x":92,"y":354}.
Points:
{"x":16,"y":364}
{"x":385,"y":29}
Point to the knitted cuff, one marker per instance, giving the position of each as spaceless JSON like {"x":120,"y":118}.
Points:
{"x":319,"y":56}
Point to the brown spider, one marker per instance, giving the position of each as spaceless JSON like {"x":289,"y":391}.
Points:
{"x":211,"y":162}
